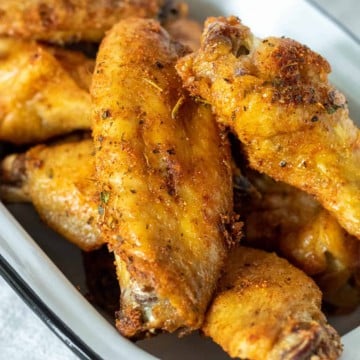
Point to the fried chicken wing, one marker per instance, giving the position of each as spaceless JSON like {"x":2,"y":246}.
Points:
{"x":266,"y":309}
{"x":60,"y":182}
{"x":275,"y":95}
{"x":166,"y":190}
{"x":281,"y":218}
{"x":39,"y":97}
{"x":63,"y":21}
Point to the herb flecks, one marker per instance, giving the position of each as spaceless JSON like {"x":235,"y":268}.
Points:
{"x":200,"y":100}
{"x":104,"y":197}
{"x":332,"y":108}
{"x":50,"y":173}
{"x":106,"y":114}
{"x":177,"y":106}
{"x":153,"y":84}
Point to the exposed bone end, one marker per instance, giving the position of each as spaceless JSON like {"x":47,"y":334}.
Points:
{"x":13,"y":179}
{"x":308,"y":340}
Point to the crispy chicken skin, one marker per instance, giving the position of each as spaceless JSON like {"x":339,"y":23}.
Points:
{"x":61,"y":21}
{"x":78,"y":66}
{"x":266,"y":309}
{"x":165,"y":175}
{"x":281,"y":218}
{"x":186,"y":31}
{"x":275,"y":95}
{"x":60,"y":181}
{"x":40,"y":96}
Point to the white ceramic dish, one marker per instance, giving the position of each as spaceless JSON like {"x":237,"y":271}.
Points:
{"x":48,"y":272}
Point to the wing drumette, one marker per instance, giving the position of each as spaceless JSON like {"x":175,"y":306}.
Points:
{"x":60,"y":181}
{"x":266,"y":309}
{"x":275,"y":95}
{"x":43,"y":91}
{"x":281,"y":218}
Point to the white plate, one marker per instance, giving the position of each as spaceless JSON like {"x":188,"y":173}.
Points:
{"x":48,"y":272}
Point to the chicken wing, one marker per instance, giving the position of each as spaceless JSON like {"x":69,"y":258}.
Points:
{"x":274,"y":94}
{"x":60,"y":181}
{"x":166,"y":190}
{"x":266,"y":309}
{"x":281,"y":218}
{"x":39,"y":98}
{"x":63,"y":21}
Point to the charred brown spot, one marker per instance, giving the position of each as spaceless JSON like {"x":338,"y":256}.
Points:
{"x":69,"y":5}
{"x":293,"y":60}
{"x":34,"y":57}
{"x":159,"y":65}
{"x":47,"y":15}
{"x":231,"y":229}
{"x":35,"y":163}
{"x":297,"y":95}
{"x":315,"y":118}
{"x":170,"y":172}
{"x":129,"y":321}
{"x":170,"y":182}
{"x":106,"y":114}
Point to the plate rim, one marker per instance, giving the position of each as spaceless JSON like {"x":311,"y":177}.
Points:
{"x":44,"y":313}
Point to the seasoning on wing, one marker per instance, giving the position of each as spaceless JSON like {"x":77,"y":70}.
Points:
{"x":63,"y":21}
{"x":281,"y":218}
{"x":164,"y":169}
{"x":275,"y":95}
{"x":40,"y":96}
{"x":60,"y":182}
{"x":266,"y":309}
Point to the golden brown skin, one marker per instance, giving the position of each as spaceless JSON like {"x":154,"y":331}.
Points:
{"x":266,"y":309}
{"x":281,"y":218}
{"x":154,"y":151}
{"x":60,"y":182}
{"x":185,"y":31}
{"x":78,"y":66}
{"x":275,"y":95}
{"x":61,"y":21}
{"x":40,"y":96}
